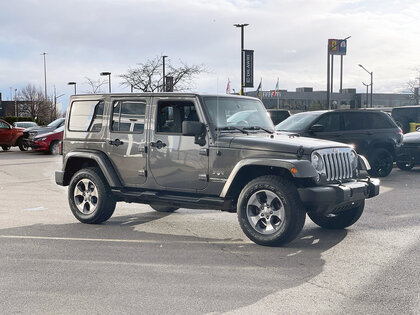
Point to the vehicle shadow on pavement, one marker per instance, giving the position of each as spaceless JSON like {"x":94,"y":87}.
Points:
{"x":207,"y":274}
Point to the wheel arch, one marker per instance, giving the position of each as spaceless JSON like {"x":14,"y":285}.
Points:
{"x":247,"y":170}
{"x":76,"y":160}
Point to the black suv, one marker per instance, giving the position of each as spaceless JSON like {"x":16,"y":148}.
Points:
{"x":173,"y":150}
{"x":372,"y":133}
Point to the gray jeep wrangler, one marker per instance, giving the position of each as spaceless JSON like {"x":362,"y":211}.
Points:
{"x":173,"y":150}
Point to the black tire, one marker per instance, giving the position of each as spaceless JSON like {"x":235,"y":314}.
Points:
{"x":5,"y":147}
{"x":270,"y":211}
{"x":381,"y":162}
{"x":340,"y":220}
{"x":54,"y":148}
{"x":163,"y":208}
{"x":90,"y":180}
{"x":405,"y":166}
{"x":23,"y":146}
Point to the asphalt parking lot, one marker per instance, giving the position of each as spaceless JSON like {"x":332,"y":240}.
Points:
{"x":142,"y":261}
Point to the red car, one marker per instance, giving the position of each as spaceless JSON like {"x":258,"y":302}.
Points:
{"x":48,"y":142}
{"x":11,"y":136}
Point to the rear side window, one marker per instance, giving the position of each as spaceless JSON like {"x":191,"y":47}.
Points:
{"x":378,"y":121}
{"x":128,"y":116}
{"x":353,"y":121}
{"x":86,"y":116}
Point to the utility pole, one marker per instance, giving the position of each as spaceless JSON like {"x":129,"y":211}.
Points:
{"x":242,"y":55}
{"x":163,"y":69}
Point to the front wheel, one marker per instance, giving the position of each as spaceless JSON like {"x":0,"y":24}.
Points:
{"x":339,"y":220}
{"x":270,"y":211}
{"x":405,"y":166}
{"x":23,"y":145}
{"x":381,"y":163}
{"x":90,"y":197}
{"x":54,"y":148}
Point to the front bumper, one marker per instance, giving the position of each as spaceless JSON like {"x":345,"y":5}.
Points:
{"x":331,"y":198}
{"x":39,"y":145}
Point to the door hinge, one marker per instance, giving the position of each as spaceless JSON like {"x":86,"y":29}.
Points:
{"x":142,"y":173}
{"x":203,"y":177}
{"x":204,"y":152}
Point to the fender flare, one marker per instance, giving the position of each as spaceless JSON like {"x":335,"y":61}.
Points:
{"x":304,"y":169}
{"x":101,"y":159}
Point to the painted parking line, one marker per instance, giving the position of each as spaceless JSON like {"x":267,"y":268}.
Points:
{"x":113,"y":240}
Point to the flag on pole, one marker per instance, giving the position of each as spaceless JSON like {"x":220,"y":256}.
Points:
{"x":277,"y":87}
{"x":228,"y":87}
{"x":258,"y":92}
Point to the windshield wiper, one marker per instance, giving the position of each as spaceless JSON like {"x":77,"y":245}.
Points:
{"x":259,"y":128}
{"x":233,"y":128}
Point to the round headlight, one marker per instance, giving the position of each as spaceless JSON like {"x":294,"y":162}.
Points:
{"x":317,"y":162}
{"x":353,"y":159}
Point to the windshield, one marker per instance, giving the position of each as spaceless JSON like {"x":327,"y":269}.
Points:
{"x":237,"y":112}
{"x":56,"y":123}
{"x":298,"y":122}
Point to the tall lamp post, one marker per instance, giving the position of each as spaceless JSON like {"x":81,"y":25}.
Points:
{"x":45,"y":75}
{"x":371,"y":84}
{"x":367,"y":93}
{"x":163,"y":70}
{"x":73,"y":83}
{"x":109,"y":79}
{"x":242,"y":55}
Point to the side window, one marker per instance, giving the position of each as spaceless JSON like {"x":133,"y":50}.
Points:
{"x":331,"y":122}
{"x":3,"y":125}
{"x":86,"y":116}
{"x":171,"y":114}
{"x":353,"y":121}
{"x":128,"y":116}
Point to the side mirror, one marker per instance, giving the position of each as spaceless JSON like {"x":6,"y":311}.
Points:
{"x":316,"y":128}
{"x":192,"y":128}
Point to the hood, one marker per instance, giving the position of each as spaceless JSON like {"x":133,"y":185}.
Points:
{"x":49,"y":132}
{"x":281,"y":143}
{"x":411,"y":138}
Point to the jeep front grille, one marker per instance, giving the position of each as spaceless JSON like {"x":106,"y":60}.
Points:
{"x":337,"y":163}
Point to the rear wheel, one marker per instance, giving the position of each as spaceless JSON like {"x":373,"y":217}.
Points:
{"x":339,"y":220}
{"x":90,"y":197}
{"x":5,"y":147}
{"x":163,"y":208}
{"x":381,"y":163}
{"x":405,"y":166}
{"x":270,"y":211}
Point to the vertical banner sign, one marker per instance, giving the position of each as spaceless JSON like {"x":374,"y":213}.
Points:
{"x":169,"y":84}
{"x":248,"y":68}
{"x":337,"y":46}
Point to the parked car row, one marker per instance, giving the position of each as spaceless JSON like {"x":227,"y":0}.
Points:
{"x":373,"y":134}
{"x":29,"y":135}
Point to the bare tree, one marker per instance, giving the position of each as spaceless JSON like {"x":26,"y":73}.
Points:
{"x":32,"y":103}
{"x":414,"y":83}
{"x":95,"y":85}
{"x":148,"y":76}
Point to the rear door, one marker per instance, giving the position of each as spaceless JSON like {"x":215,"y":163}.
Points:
{"x":127,"y":139}
{"x":356,"y":130}
{"x":176,"y":161}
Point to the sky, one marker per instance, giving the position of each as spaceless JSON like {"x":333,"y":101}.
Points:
{"x":289,"y":37}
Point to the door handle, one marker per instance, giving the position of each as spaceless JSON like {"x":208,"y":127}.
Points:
{"x":158,"y":144}
{"x":116,"y":142}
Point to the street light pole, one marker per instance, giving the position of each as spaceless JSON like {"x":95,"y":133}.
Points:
{"x":45,"y":75}
{"x":109,"y":79}
{"x":73,"y":83}
{"x":242,"y":55}
{"x":371,"y":84}
{"x":164,"y":78}
{"x":367,"y":93}
{"x":16,"y":109}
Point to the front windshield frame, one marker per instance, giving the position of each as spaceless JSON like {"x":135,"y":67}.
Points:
{"x":219,"y":121}
{"x":298,"y":122}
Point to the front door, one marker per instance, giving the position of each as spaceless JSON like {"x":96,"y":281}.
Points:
{"x":176,"y":161}
{"x":6,"y":134}
{"x":126,"y":142}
